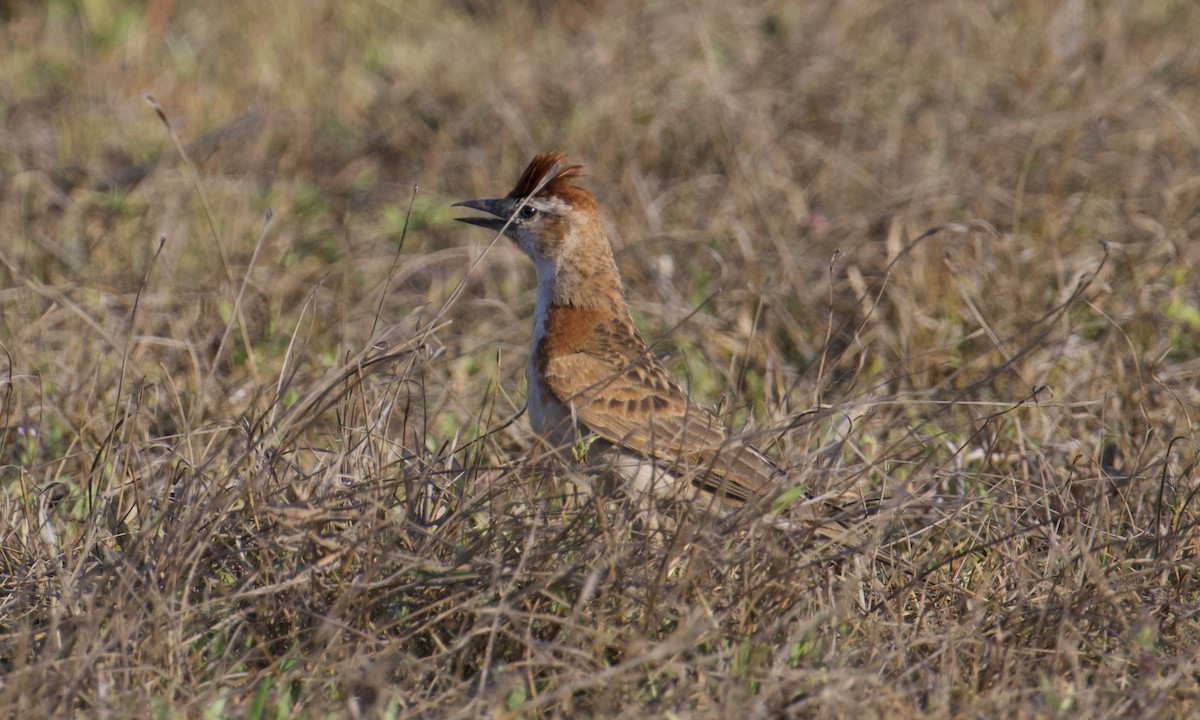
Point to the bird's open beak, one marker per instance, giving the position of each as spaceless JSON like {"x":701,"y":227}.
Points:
{"x":491,"y":207}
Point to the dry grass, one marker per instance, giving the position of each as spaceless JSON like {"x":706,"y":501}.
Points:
{"x":258,"y":447}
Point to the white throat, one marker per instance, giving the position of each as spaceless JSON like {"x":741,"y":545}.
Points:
{"x":546,"y":270}
{"x":546,"y":416}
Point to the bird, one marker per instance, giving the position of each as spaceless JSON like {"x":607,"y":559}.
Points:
{"x":596,"y":393}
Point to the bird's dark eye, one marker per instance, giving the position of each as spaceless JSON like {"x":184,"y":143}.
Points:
{"x":528,"y":211}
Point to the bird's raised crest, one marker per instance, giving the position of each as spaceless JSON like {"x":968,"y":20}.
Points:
{"x":547,"y":176}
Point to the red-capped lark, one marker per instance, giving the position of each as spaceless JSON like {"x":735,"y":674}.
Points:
{"x":595,"y":391}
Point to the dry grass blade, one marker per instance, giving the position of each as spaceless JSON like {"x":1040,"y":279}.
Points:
{"x":278,"y":468}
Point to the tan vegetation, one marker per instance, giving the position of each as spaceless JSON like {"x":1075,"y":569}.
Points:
{"x":258,"y":448}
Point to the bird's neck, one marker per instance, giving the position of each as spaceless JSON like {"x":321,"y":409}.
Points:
{"x":587,"y":286}
{"x":584,"y":277}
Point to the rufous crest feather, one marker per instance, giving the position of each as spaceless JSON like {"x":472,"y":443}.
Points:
{"x":559,"y":183}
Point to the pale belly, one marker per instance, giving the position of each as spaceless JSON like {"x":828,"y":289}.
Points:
{"x":550,"y":419}
{"x":552,"y":422}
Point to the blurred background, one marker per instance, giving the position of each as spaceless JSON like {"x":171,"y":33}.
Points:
{"x":206,"y":209}
{"x":766,"y":151}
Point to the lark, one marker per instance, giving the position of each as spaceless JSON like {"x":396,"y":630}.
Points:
{"x":596,"y":392}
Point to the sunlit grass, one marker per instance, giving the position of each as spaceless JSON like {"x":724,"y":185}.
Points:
{"x":294,"y":481}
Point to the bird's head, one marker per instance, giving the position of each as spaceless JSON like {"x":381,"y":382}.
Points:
{"x":545,"y":214}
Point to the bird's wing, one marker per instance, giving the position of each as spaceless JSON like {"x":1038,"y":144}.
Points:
{"x":636,"y":404}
